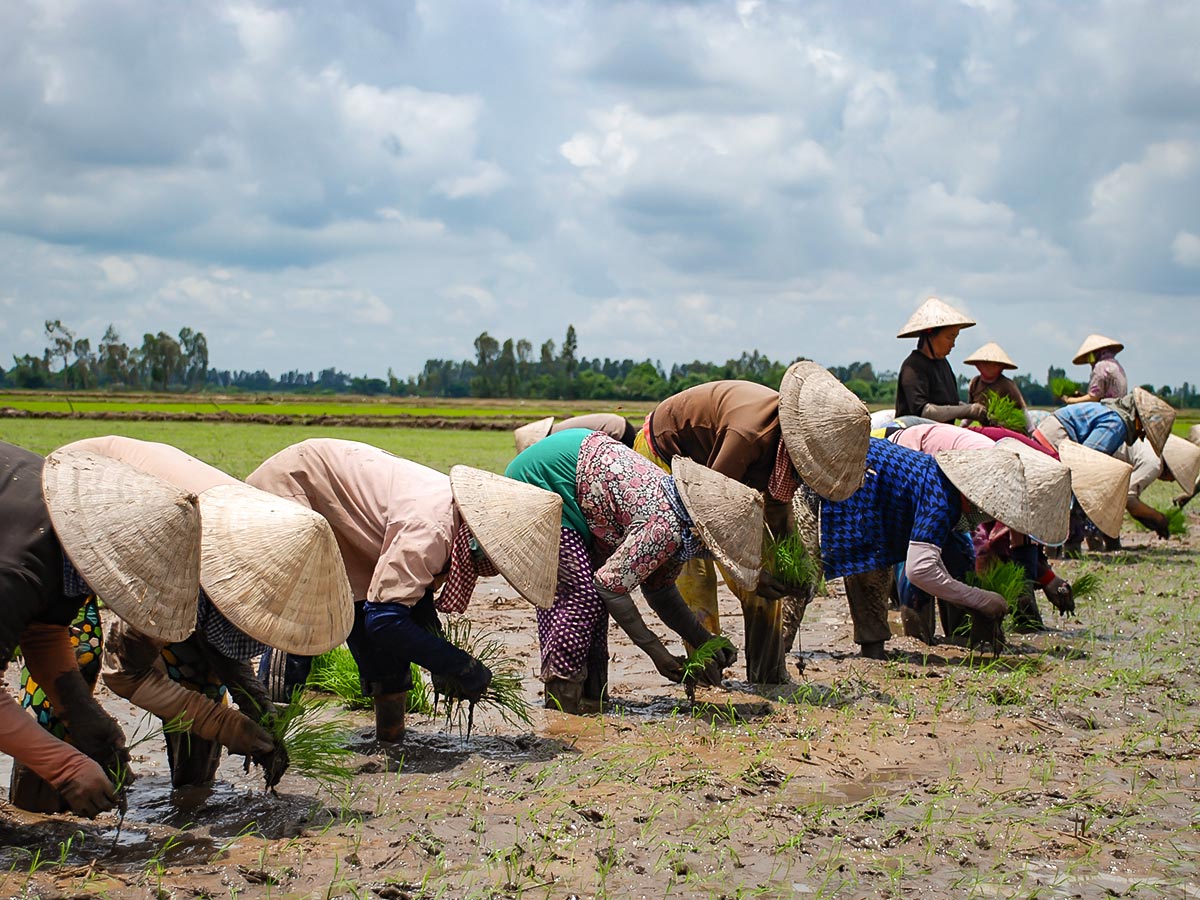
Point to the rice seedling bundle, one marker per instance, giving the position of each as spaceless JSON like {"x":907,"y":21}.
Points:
{"x":788,"y":560}
{"x":1003,"y":412}
{"x":1004,"y":578}
{"x":1176,"y":520}
{"x":1063,"y":387}
{"x":1086,"y":586}
{"x":317,"y":746}
{"x":336,"y":672}
{"x":505,"y":693}
{"x":698,"y":660}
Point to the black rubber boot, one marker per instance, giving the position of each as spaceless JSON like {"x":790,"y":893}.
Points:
{"x":566,"y":696}
{"x":389,"y":716}
{"x":873,"y":650}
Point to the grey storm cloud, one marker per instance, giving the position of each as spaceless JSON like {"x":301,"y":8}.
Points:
{"x":367,"y":185}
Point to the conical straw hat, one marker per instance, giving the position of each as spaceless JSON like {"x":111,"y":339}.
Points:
{"x":826,"y":430}
{"x":1194,"y":435}
{"x":133,"y":537}
{"x":1027,"y":496}
{"x":528,"y":435}
{"x":1100,"y":484}
{"x":933,"y":313}
{"x":517,"y":525}
{"x":1183,"y":459}
{"x":1091,"y":344}
{"x":1049,"y":484}
{"x":991,"y":352}
{"x":1157,"y":415}
{"x":728,"y":515}
{"x":272,"y":567}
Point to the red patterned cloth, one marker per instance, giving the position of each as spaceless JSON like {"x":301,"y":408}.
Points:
{"x":784,"y":479}
{"x":465,"y":570}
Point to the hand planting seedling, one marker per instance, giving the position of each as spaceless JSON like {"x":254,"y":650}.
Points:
{"x":1176,"y":520}
{"x":1003,"y":412}
{"x":1006,"y":579}
{"x":700,"y":659}
{"x":1086,"y":586}
{"x":505,"y":691}
{"x":315,"y":746}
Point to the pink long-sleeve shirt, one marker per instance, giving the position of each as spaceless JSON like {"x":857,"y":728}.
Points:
{"x":932,"y":439}
{"x":394,"y":519}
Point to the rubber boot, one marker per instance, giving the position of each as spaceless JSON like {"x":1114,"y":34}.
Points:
{"x":564,"y":695}
{"x":918,"y":622}
{"x":1112,"y":544}
{"x":873,"y":650}
{"x":1027,"y":618}
{"x":28,"y":790}
{"x":986,"y":631}
{"x":389,"y":716}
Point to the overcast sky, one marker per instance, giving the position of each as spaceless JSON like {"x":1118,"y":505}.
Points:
{"x":371,"y":184}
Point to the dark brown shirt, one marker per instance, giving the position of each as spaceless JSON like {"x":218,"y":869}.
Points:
{"x":924,"y":380}
{"x":730,"y":426}
{"x":1003,"y":385}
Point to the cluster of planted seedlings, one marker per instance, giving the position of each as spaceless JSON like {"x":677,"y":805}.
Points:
{"x":1003,"y":412}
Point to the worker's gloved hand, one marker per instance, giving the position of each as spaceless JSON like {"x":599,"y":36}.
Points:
{"x":87,"y":790}
{"x":1156,"y":522}
{"x":1058,"y":592}
{"x":988,"y":603}
{"x":771,"y":588}
{"x":242,"y":735}
{"x":673,"y":610}
{"x":470,"y":684}
{"x":274,"y":763}
{"x":669,"y":666}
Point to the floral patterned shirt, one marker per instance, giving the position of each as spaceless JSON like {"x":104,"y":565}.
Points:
{"x":637,"y":534}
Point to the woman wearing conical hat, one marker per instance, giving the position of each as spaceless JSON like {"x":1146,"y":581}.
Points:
{"x":405,"y":531}
{"x":625,"y":525}
{"x":1108,"y":380}
{"x":907,"y":511}
{"x":926,"y":385}
{"x":75,"y":525}
{"x":811,"y":431}
{"x":1179,"y":462}
{"x":271,"y":576}
{"x":1188,"y":490}
{"x":992,"y":361}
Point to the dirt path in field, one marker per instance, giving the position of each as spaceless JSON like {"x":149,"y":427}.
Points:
{"x":1066,"y":768}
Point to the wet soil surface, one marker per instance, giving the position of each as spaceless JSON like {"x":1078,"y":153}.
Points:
{"x":1067,"y":767}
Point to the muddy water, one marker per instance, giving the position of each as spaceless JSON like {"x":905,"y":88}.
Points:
{"x":1066,"y":768}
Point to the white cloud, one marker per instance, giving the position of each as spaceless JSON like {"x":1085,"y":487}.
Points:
{"x":1185,"y":249}
{"x":118,"y":271}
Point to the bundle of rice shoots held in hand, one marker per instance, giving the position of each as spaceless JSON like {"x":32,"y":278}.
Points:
{"x":1086,"y":586}
{"x":1002,"y":411}
{"x":1004,"y":578}
{"x":1176,"y":520}
{"x":317,"y":745}
{"x":505,"y":693}
{"x":699,"y":659}
{"x":1063,"y":387}
{"x":789,"y":560}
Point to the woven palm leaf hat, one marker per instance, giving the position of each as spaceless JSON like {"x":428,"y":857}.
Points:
{"x":1100,"y":484}
{"x":133,"y":537}
{"x":272,"y":567}
{"x":1093,"y":343}
{"x":933,"y":313}
{"x":1183,"y":459}
{"x":1194,"y":435}
{"x":1028,"y":497}
{"x":528,"y":435}
{"x":1049,"y":485}
{"x":826,"y":430}
{"x":1157,"y":417}
{"x":517,"y":525}
{"x":728,"y":515}
{"x":991,"y":352}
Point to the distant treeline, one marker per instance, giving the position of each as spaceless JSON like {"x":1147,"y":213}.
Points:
{"x":499,"y":369}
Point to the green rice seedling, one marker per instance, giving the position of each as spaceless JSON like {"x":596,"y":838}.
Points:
{"x":316,"y":747}
{"x":1004,"y":578}
{"x":1063,"y":387}
{"x":698,"y":660}
{"x":1086,"y":586}
{"x":336,"y":672}
{"x":788,"y":560}
{"x":505,"y":693}
{"x":1004,"y":413}
{"x":1176,"y":520}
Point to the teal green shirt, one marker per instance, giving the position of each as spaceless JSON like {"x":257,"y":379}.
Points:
{"x":552,"y":464}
